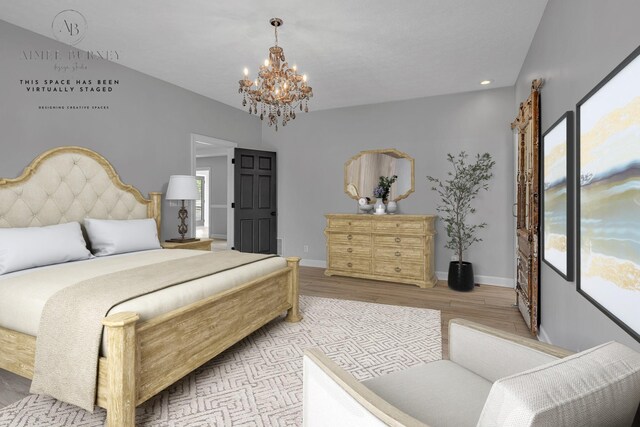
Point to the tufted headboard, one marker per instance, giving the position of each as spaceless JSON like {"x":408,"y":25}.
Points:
{"x":69,"y":184}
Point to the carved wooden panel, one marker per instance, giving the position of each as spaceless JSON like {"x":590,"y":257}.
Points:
{"x":527,"y":127}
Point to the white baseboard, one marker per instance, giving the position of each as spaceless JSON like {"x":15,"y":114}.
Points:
{"x":505,"y":282}
{"x":319,"y":263}
{"x":442,"y":275}
{"x":542,"y":336}
{"x":219,"y":236}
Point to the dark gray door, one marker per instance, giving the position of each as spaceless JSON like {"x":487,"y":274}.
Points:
{"x":255,"y":207}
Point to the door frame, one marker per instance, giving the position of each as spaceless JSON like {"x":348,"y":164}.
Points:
{"x":219,"y":147}
{"x":206,"y":207}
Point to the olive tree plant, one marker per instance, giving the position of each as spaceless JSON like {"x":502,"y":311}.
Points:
{"x":457,"y":192}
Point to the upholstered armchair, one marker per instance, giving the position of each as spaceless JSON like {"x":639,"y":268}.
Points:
{"x":492,"y":378}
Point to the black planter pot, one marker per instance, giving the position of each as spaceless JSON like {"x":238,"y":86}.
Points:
{"x":461,"y":276}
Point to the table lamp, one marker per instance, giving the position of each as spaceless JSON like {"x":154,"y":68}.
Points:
{"x":182,"y":187}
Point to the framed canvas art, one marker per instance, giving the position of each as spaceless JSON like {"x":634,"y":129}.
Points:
{"x":608,"y":120}
{"x":557,"y":196}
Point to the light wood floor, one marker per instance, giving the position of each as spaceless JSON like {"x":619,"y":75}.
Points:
{"x":489,"y":305}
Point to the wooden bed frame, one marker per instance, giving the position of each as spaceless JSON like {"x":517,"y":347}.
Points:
{"x":146,"y":357}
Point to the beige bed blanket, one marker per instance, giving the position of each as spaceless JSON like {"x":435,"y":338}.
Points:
{"x":68,"y":343}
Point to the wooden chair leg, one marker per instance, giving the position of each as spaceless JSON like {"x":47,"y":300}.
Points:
{"x":293,"y":314}
{"x":121,"y":369}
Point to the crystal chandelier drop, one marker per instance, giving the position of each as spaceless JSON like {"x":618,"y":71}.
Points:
{"x":279,"y":89}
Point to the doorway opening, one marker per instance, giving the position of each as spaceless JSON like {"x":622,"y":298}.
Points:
{"x":211,"y":163}
{"x":202,"y":216}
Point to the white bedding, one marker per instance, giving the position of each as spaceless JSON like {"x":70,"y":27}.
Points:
{"x":23,"y":294}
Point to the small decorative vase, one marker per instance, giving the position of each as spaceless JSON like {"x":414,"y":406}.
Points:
{"x":392,"y":207}
{"x":380,"y":207}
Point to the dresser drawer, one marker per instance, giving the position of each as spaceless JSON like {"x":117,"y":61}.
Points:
{"x":399,"y":241}
{"x":351,"y":250}
{"x":399,"y":269}
{"x":356,"y":265}
{"x":399,"y":226}
{"x":350,"y":239}
{"x":401,"y":254}
{"x":350,"y":224}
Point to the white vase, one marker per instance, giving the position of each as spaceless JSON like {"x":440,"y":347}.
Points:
{"x":392,"y":207}
{"x":380,"y":207}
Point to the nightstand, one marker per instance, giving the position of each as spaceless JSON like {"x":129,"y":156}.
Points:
{"x":200,"y":245}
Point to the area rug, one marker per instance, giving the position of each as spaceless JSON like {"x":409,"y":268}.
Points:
{"x":258,"y":382}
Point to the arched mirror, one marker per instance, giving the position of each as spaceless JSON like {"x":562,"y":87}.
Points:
{"x":363,"y":171}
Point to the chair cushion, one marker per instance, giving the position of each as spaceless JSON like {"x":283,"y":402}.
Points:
{"x":438,"y":393}
{"x":597,"y":387}
{"x":492,"y":356}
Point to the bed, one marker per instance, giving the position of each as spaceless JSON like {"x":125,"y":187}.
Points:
{"x":144,"y":349}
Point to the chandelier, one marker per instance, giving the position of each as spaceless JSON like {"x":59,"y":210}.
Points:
{"x":279,"y":89}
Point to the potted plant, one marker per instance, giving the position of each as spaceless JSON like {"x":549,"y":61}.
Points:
{"x":381,"y":192}
{"x":386,"y":182}
{"x":456,"y":195}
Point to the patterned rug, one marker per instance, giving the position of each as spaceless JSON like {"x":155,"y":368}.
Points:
{"x":258,"y":382}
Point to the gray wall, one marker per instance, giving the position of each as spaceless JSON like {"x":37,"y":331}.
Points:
{"x":217,"y":192}
{"x":149,"y":121}
{"x":313,"y":149}
{"x":577,"y":44}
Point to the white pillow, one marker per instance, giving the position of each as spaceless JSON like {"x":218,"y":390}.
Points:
{"x":110,"y":237}
{"x":22,"y":248}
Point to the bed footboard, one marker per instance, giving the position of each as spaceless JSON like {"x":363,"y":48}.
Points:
{"x":146,"y":357}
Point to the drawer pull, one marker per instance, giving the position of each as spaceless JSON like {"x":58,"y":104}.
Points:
{"x":398,"y":269}
{"x":398,"y":239}
{"x":350,"y":250}
{"x":397,"y":253}
{"x":397,"y":225}
{"x":349,"y":264}
{"x":349,"y":237}
{"x":349,"y":223}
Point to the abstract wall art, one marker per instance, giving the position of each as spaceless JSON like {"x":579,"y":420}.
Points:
{"x":608,"y":120}
{"x":557,"y":197}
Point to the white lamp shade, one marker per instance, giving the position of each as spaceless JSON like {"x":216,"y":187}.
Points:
{"x":182,"y":187}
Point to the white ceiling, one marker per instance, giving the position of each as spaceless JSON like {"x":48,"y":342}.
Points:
{"x":355,"y":52}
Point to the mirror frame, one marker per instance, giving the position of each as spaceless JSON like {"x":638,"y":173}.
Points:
{"x":399,"y":154}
